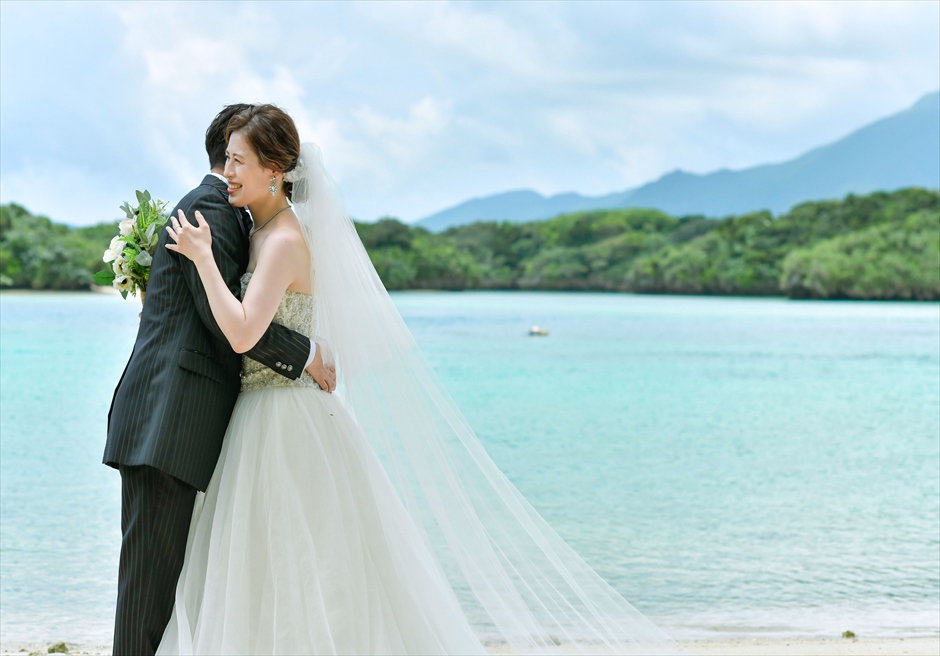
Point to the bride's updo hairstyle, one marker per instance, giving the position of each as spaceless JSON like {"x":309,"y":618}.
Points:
{"x":273,"y":136}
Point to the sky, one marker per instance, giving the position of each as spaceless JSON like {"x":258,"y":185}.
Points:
{"x":420,"y":106}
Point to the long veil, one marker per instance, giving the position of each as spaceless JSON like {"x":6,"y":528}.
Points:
{"x":516,"y":579}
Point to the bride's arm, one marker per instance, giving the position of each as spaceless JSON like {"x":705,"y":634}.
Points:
{"x":242,"y":322}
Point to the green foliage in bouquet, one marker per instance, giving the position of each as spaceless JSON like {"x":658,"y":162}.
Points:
{"x":130,"y":253}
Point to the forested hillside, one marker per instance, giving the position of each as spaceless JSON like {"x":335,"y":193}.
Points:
{"x":36,"y":253}
{"x":879,"y":246}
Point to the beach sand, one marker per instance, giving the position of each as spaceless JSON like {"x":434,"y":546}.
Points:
{"x":757,"y":647}
{"x":832,"y":647}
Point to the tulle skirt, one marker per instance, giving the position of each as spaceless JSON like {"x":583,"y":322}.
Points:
{"x":301,"y":545}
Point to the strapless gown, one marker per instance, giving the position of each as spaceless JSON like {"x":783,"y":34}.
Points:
{"x":301,"y":544}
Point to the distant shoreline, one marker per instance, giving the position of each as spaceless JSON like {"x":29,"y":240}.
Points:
{"x":882,"y":246}
{"x":95,"y":289}
{"x":917,"y":646}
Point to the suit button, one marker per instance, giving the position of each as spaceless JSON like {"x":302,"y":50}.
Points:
{"x":290,"y":367}
{"x":278,"y":364}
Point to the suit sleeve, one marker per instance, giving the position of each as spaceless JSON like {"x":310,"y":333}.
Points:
{"x":281,"y":349}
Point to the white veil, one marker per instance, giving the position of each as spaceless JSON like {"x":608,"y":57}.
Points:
{"x":516,"y":579}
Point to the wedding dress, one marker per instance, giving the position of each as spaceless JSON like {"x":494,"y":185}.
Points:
{"x":300,"y":544}
{"x":372,"y":520}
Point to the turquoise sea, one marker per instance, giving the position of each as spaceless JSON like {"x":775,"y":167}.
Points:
{"x":733,"y":466}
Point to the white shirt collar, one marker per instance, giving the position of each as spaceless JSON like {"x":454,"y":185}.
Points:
{"x":219,"y":176}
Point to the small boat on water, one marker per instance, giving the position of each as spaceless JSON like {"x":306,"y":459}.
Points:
{"x":538,"y":331}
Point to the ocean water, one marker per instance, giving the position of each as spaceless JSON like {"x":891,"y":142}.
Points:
{"x":732,"y":466}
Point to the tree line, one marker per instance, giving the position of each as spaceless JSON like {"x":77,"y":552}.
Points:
{"x":878,"y":246}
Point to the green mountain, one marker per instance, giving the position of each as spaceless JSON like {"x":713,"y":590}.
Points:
{"x":902,"y":150}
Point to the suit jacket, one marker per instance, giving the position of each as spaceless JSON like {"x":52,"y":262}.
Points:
{"x":173,"y":403}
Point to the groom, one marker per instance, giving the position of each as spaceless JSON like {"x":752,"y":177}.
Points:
{"x":173,"y":403}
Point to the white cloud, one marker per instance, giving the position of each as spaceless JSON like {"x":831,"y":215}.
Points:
{"x":191,"y":74}
{"x":418,"y":106}
{"x":473,"y":34}
{"x":404,"y":143}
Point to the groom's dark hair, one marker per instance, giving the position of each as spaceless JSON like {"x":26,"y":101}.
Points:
{"x":215,"y":135}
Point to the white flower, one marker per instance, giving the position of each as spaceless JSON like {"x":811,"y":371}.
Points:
{"x":296,"y":173}
{"x":123,"y":283}
{"x":119,"y":266}
{"x":127,"y":227}
{"x":114,"y":249}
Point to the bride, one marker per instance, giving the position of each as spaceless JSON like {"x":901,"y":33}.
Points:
{"x":370,"y":520}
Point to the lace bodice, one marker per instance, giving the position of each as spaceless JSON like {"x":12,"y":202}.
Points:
{"x":297,"y":312}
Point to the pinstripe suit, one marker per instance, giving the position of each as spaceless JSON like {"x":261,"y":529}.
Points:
{"x":170,"y":411}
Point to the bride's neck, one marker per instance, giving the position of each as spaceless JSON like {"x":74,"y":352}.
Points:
{"x":263,"y":210}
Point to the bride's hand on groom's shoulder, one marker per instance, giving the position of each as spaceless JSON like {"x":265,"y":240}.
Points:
{"x":324,"y":374}
{"x":193,"y":241}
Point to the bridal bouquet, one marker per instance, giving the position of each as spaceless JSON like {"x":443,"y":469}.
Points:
{"x":130,"y":253}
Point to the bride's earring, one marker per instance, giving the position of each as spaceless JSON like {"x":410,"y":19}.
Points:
{"x":273,"y":187}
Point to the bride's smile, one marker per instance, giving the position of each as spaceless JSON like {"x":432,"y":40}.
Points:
{"x":248,"y":179}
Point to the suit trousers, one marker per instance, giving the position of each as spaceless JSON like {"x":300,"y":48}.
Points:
{"x":156,"y":511}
